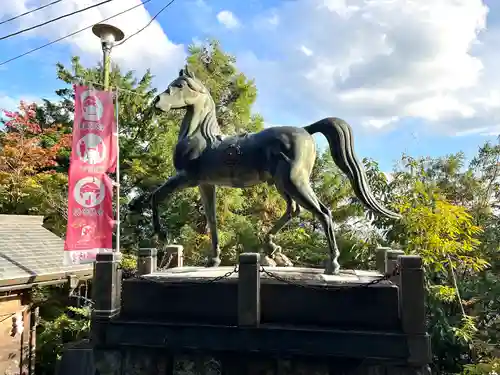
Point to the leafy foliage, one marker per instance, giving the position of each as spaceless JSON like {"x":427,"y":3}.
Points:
{"x":59,"y":324}
{"x":30,"y":178}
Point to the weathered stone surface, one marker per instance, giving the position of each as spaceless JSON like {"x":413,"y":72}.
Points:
{"x":78,"y":359}
{"x":143,"y":361}
{"x":108,"y":362}
{"x":146,"y":361}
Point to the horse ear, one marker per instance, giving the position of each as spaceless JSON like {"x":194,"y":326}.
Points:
{"x":181,"y":72}
{"x":189,"y":73}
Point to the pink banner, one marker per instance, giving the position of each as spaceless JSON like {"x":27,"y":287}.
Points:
{"x":90,"y":195}
{"x":94,"y":132}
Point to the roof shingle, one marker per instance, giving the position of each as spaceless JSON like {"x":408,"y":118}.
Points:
{"x":29,"y":251}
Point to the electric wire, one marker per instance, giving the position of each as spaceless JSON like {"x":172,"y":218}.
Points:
{"x":145,"y":26}
{"x":29,"y":12}
{"x":72,"y":34}
{"x":54,"y":20}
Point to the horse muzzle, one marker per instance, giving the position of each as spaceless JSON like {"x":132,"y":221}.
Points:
{"x":155,"y":101}
{"x":158,"y":106}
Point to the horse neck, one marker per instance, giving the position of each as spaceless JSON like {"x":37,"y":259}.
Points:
{"x":201,"y":120}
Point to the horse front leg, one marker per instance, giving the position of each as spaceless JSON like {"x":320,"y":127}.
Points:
{"x":177,"y":182}
{"x":208,"y":199}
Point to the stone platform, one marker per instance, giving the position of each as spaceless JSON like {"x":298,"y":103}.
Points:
{"x":350,"y":324}
{"x":288,"y":295}
{"x":301,"y":275}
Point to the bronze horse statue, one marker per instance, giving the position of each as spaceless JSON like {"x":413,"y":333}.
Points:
{"x":283,"y":156}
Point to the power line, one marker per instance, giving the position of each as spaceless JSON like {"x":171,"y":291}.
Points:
{"x":70,"y":35}
{"x":149,"y":23}
{"x":54,"y":20}
{"x":29,"y":12}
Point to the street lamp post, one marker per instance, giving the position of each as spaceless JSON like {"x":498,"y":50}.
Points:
{"x":108,"y":35}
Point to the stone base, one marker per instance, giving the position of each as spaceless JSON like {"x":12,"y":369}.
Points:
{"x":145,"y":361}
{"x":78,"y":359}
{"x":289,"y":295}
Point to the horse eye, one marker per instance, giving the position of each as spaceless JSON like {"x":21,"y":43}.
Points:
{"x":181,"y":84}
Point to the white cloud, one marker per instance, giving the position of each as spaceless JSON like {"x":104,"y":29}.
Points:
{"x":267,"y":21}
{"x":228,"y":19}
{"x":273,"y":20}
{"x":380,"y":122}
{"x":11,"y":103}
{"x":137,"y":53}
{"x":373,"y":62}
{"x":378,"y":62}
{"x":8,"y":103}
{"x":306,"y":51}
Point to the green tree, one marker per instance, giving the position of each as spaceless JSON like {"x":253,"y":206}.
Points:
{"x":31,"y":181}
{"x":450,"y":221}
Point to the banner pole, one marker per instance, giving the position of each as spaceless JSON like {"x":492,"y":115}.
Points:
{"x":118,"y":226}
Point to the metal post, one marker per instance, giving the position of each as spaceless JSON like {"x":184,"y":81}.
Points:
{"x":106,"y":60}
{"x":118,"y":219}
{"x":109,"y":35}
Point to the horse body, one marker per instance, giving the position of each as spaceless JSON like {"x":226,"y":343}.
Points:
{"x":283,"y":156}
{"x":244,"y":160}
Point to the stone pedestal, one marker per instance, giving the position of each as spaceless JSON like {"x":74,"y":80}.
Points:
{"x":273,"y":320}
{"x":147,"y":261}
{"x":106,"y":293}
{"x":249,"y":290}
{"x":175,"y":253}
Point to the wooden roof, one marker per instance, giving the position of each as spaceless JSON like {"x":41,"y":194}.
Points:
{"x":29,"y":253}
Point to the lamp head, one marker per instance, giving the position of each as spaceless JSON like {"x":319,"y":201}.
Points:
{"x":107,"y":33}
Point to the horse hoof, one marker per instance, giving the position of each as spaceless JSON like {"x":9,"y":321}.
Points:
{"x":332,"y":268}
{"x":213,"y":262}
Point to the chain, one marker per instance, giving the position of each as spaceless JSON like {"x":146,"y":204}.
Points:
{"x":88,"y":301}
{"x":227,"y":275}
{"x":276,"y":277}
{"x":165,"y":265}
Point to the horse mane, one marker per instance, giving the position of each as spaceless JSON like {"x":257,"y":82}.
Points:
{"x":209,"y":126}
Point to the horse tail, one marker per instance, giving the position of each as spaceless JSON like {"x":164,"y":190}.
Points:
{"x":339,"y":136}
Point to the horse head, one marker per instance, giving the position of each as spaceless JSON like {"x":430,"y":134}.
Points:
{"x":184,"y":91}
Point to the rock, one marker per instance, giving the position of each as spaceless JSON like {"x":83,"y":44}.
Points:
{"x":282,"y":260}
{"x":267,"y":261}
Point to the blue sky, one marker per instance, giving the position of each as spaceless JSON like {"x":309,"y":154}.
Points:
{"x":410,"y":77}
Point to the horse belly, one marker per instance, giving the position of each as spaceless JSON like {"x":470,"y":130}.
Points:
{"x":233,"y":177}
{"x":246,"y":178}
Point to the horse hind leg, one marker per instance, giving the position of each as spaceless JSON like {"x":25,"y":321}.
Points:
{"x":271,"y":249}
{"x":296,"y":184}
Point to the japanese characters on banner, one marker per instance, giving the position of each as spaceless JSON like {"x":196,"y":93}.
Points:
{"x":90,"y":195}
